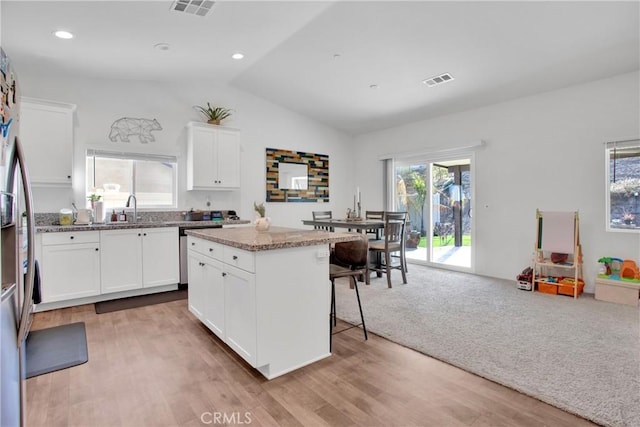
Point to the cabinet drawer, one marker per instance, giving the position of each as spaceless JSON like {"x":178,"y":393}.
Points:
{"x":204,"y":247}
{"x":244,"y":260}
{"x":67,"y":237}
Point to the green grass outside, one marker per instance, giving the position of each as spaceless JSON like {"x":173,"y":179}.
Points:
{"x":447,"y":241}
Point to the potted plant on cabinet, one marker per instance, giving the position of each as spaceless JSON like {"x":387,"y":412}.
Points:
{"x":214,"y":114}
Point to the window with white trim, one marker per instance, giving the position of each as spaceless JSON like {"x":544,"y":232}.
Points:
{"x":623,"y":185}
{"x":115,"y":175}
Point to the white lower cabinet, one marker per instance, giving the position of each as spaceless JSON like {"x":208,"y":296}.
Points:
{"x":206,"y":291}
{"x":121,"y":259}
{"x":137,"y":258}
{"x":222,"y":295}
{"x":240,"y":312}
{"x":197,"y":284}
{"x":69,"y":265}
{"x":271,"y":307}
{"x":160,"y":257}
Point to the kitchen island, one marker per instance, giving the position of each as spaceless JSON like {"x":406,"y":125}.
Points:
{"x":266,"y":294}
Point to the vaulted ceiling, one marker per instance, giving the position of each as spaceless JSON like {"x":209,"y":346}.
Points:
{"x":358,"y":66}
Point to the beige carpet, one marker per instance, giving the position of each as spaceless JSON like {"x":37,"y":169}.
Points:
{"x":579,"y":355}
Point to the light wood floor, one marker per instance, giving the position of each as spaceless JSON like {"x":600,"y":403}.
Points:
{"x":157,"y":366}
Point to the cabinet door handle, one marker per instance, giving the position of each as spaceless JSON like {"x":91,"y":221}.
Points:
{"x":224,"y":274}
{"x":97,"y":249}
{"x":144,"y":234}
{"x":139,"y":234}
{"x":193,"y":243}
{"x":235,"y":257}
{"x":71,"y":237}
{"x":201,"y":264}
{"x":210,"y":249}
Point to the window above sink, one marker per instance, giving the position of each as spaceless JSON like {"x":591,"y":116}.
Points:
{"x":116,"y":175}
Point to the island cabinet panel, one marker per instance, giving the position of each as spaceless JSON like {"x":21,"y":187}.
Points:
{"x":293,"y":297}
{"x":206,"y":291}
{"x":214,"y":309}
{"x":240,"y":312}
{"x":274,"y":304}
{"x":197,"y":284}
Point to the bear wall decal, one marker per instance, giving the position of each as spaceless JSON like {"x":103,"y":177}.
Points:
{"x":141,"y":128}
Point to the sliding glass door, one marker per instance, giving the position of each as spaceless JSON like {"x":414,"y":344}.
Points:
{"x":438,"y":196}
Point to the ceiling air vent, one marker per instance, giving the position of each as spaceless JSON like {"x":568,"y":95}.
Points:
{"x":442,"y":78}
{"x":195,"y":7}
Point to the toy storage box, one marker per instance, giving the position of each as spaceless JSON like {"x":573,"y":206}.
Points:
{"x":565,"y":286}
{"x":547,"y":288}
{"x":618,"y":291}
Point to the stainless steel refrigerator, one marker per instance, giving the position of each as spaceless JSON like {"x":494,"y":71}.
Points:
{"x":17,"y":253}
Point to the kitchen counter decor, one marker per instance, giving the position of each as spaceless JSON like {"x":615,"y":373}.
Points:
{"x":262,"y":223}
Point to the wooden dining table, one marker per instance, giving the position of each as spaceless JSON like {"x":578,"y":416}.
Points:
{"x":358,"y":225}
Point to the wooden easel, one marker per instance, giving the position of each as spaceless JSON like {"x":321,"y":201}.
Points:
{"x":557,"y":232}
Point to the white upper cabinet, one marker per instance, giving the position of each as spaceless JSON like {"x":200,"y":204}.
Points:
{"x":46,"y":132}
{"x":213,"y":157}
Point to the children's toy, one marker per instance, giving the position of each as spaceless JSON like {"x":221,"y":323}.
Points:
{"x":618,"y":269}
{"x":605,"y":267}
{"x":524,"y":279}
{"x":629,"y":270}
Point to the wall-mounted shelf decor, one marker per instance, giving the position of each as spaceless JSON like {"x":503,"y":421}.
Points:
{"x":296,"y":176}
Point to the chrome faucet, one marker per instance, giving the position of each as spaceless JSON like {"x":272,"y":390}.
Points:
{"x":135,"y":206}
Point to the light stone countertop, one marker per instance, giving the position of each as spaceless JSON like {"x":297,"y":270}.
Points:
{"x":249,"y":239}
{"x":139,"y":224}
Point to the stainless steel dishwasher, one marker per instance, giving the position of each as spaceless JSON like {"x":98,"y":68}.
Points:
{"x":184,"y":256}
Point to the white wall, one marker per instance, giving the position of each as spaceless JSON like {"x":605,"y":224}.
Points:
{"x":544,"y":151}
{"x":262,"y":124}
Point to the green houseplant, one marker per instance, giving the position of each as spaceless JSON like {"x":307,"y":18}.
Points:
{"x":259,"y":208}
{"x":213,"y":114}
{"x":93,"y":198}
{"x":262,"y":223}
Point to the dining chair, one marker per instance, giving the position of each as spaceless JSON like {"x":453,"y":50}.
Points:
{"x":374,"y":215}
{"x":322,"y":215}
{"x":392,"y":242}
{"x":349,"y":259}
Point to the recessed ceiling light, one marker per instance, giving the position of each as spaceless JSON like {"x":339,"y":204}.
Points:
{"x":162,"y":46}
{"x":61,"y":34}
{"x":237,"y":55}
{"x":373,"y":86}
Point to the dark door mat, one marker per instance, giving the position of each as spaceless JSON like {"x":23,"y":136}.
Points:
{"x":52,"y":349}
{"x":140,"y":301}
